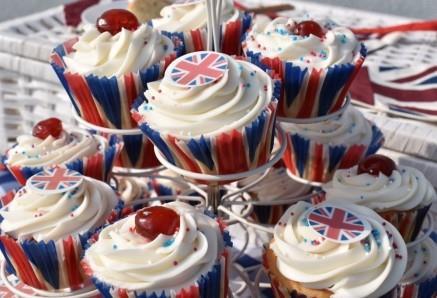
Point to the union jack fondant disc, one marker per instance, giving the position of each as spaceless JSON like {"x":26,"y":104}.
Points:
{"x":337,"y":224}
{"x":55,"y":180}
{"x":197,"y":69}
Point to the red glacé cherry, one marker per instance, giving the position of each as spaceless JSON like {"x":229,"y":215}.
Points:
{"x":375,"y":164}
{"x":48,"y":127}
{"x":114,"y":20}
{"x":155,"y":220}
{"x":306,"y":28}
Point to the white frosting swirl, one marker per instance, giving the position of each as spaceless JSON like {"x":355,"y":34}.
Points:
{"x":350,"y":128}
{"x":276,"y":39}
{"x":47,"y":216}
{"x":422,"y":262}
{"x":103,"y":54}
{"x":126,"y":259}
{"x":132,"y":188}
{"x":276,"y":185}
{"x":367,"y":268}
{"x":405,"y":189}
{"x":183,"y":17}
{"x":69,"y":146}
{"x":233,"y":101}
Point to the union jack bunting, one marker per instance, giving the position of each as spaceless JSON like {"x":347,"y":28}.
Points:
{"x":406,"y":91}
{"x":55,"y":179}
{"x":337,"y":224}
{"x":198,"y":69}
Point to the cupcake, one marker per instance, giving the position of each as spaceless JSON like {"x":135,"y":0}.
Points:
{"x":172,"y":250}
{"x":317,"y":62}
{"x":402,"y":195}
{"x":45,"y":226}
{"x":146,"y":10}
{"x":215,"y":120}
{"x":420,"y":278}
{"x":334,"y":249}
{"x":173,"y":184}
{"x":51,"y":144}
{"x":131,"y":189}
{"x":277,"y":185}
{"x":108,"y":67}
{"x":187,"y":22}
{"x":315,"y":151}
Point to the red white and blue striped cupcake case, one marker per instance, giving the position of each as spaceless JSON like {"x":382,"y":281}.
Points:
{"x":137,"y":152}
{"x":317,"y":162}
{"x":235,"y":151}
{"x":231,"y":32}
{"x":97,"y":166}
{"x":105,"y":101}
{"x":50,"y":265}
{"x":310,"y":92}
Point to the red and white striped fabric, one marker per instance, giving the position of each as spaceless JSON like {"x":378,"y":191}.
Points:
{"x":410,"y":92}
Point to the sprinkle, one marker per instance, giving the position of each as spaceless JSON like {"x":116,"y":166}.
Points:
{"x":72,"y":214}
{"x":343,"y":39}
{"x":279,"y":49}
{"x":367,"y":247}
{"x":248,"y":85}
{"x":362,"y":197}
{"x":175,"y":263}
{"x":416,"y":275}
{"x":165,"y":47}
{"x":398,"y":256}
{"x":159,"y":90}
{"x":265,"y":87}
{"x":252,"y":73}
{"x":168,"y":242}
{"x":195,"y":248}
{"x":187,"y":229}
{"x":114,"y":246}
{"x":292,"y":213}
{"x":132,"y":229}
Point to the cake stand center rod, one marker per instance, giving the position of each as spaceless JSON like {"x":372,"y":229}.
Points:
{"x":214,"y":197}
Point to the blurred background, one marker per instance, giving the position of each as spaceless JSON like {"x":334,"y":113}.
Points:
{"x":424,"y":9}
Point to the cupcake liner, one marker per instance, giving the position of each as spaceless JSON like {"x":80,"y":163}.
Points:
{"x":426,"y":288}
{"x":310,"y":93}
{"x":231,"y":35}
{"x":235,"y":151}
{"x":409,"y":223}
{"x":208,"y":285}
{"x":317,"y":162}
{"x":105,"y":101}
{"x":49,"y":265}
{"x":97,"y":166}
{"x":137,"y":151}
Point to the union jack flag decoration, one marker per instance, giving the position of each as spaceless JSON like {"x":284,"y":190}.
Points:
{"x":198,"y":69}
{"x":337,"y":224}
{"x":55,"y":180}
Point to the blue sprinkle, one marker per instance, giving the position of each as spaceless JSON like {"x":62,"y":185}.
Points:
{"x":279,"y":49}
{"x":367,"y":247}
{"x":403,"y":170}
{"x":252,"y":73}
{"x":377,"y":237}
{"x":168,"y":242}
{"x":114,"y":246}
{"x":165,"y":47}
{"x":248,"y":85}
{"x":417,"y":178}
{"x":362,"y":197}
